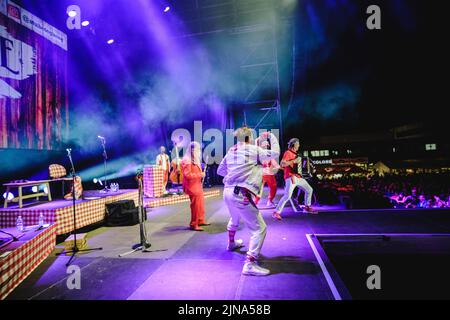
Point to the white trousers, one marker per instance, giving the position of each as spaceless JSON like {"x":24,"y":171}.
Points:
{"x":291,"y":184}
{"x":239,"y":207}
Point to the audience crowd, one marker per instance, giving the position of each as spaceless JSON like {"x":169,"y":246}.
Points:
{"x":389,"y":191}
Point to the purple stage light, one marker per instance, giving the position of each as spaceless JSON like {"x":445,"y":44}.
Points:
{"x":111,"y":41}
{"x":167,"y":9}
{"x":85,"y":23}
{"x":72,"y":13}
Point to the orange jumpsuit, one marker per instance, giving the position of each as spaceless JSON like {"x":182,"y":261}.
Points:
{"x":192,"y":186}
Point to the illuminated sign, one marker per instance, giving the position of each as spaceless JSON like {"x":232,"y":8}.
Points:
{"x":30,"y":21}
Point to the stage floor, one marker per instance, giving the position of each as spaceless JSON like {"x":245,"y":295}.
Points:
{"x":196,"y":265}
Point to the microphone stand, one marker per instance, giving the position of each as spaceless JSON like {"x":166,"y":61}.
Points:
{"x":75,"y":248}
{"x":105,"y":157}
{"x":144,"y":245}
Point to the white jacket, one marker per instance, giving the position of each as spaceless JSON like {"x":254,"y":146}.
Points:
{"x":241,"y":166}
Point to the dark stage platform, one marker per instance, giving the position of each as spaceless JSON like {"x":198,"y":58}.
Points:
{"x":197,"y":266}
{"x":411,"y":266}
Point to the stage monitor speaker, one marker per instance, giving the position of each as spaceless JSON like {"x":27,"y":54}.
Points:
{"x":122,"y":213}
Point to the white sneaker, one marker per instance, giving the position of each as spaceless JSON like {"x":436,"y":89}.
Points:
{"x":252,"y":269}
{"x":270,"y":204}
{"x":235,"y":245}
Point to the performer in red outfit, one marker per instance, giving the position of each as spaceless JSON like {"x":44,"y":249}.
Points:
{"x":192,"y":185}
{"x":292,"y":177}
{"x":270,"y":168}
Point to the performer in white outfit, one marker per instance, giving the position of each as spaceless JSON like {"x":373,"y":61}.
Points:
{"x":163,"y":161}
{"x":242,"y":174}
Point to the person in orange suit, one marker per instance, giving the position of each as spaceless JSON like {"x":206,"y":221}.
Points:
{"x":193,"y":186}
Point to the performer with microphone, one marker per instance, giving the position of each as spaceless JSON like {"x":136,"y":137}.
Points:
{"x":293,"y":179}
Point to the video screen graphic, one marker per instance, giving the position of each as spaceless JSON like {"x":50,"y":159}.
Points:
{"x":33,"y":81}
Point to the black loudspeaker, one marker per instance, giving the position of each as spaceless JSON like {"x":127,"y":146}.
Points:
{"x":122,"y":213}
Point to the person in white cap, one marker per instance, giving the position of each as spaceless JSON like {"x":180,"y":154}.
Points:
{"x":242,"y":174}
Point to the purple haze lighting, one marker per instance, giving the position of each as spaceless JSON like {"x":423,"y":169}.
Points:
{"x":85,"y":23}
{"x":111,"y":41}
{"x":166,"y":9}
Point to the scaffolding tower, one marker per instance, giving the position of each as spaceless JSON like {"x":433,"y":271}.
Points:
{"x":252,"y":27}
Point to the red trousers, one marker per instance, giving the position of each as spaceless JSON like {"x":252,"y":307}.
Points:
{"x":197,"y":210}
{"x":272,"y":183}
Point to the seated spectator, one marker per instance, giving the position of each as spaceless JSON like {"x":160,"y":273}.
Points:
{"x":423,"y":202}
{"x":412,"y":200}
{"x":401,"y":200}
{"x":437,"y":202}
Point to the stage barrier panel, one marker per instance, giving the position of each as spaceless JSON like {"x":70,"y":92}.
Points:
{"x":87,"y":213}
{"x":24,"y":258}
{"x":153,"y":181}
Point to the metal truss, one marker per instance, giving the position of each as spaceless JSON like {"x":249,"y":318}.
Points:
{"x":252,"y":24}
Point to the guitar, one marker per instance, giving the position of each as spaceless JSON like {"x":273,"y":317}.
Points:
{"x":176,"y":176}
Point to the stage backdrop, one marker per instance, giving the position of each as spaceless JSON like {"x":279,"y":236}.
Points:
{"x":33,"y":81}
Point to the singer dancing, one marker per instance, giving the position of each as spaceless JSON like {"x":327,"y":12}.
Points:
{"x":192,"y":185}
{"x":243,"y":179}
{"x":293,"y":179}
